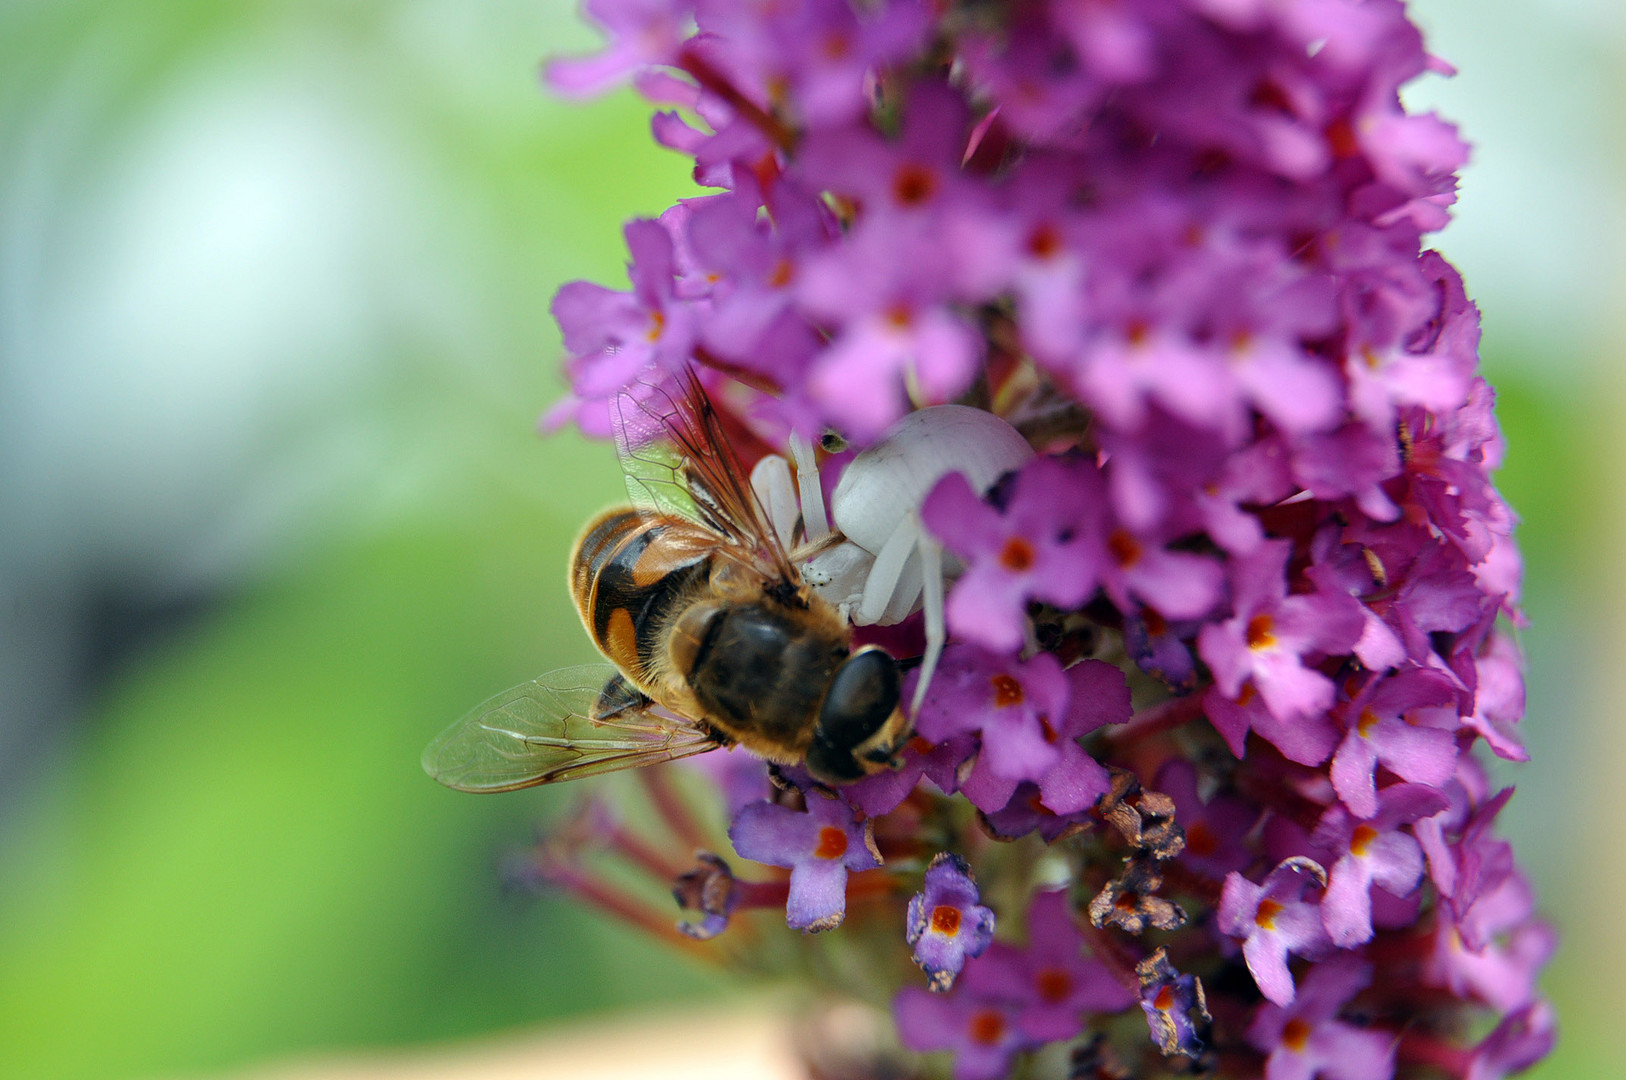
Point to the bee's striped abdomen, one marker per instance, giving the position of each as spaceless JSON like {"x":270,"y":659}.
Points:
{"x":628,"y":571}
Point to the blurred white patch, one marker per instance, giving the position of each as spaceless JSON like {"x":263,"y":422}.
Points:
{"x":209,"y":287}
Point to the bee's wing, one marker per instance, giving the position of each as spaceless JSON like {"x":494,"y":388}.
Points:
{"x":544,"y":731}
{"x":678,"y":460}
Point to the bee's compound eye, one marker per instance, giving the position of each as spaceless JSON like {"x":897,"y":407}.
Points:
{"x":862,"y":695}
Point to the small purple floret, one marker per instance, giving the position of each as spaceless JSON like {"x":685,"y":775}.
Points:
{"x":819,"y":845}
{"x":1307,"y":1039}
{"x":1273,"y":920}
{"x":945,"y":924}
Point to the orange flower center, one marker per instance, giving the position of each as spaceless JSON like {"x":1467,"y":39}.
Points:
{"x":1053,"y":984}
{"x":1341,"y":138}
{"x":836,"y":46}
{"x":1044,"y":242}
{"x":1017,"y":555}
{"x":1259,"y":632}
{"x":1362,"y":840}
{"x":1266,"y":915}
{"x":913,"y":184}
{"x":832,"y":843}
{"x":986,"y":1027}
{"x":1200,"y":839}
{"x":945,"y":920}
{"x":1126,"y":550}
{"x":1007,"y":691}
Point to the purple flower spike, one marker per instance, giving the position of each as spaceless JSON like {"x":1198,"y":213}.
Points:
{"x":1307,"y":1039}
{"x":819,"y":845}
{"x":1274,"y":920}
{"x":1180,"y":247}
{"x":945,"y":923}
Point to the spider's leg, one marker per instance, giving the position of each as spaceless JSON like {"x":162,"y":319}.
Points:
{"x":905,"y":594}
{"x":815,"y":521}
{"x":931,"y":572}
{"x":888,"y":568}
{"x":770,"y":479}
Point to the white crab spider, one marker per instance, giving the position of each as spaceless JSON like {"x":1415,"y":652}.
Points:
{"x":880,"y":565}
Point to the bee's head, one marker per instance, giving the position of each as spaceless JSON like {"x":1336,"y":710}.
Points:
{"x":859,"y":720}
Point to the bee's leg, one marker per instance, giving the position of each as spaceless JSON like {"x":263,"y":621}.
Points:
{"x":770,"y":480}
{"x":888,"y":569}
{"x":815,"y":521}
{"x":617,"y":697}
{"x":931,"y":572}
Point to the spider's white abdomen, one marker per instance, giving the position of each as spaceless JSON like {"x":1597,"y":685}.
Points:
{"x":893,"y":477}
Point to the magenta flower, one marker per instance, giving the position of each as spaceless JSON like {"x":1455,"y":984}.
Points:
{"x":615,"y":338}
{"x":1014,"y":998}
{"x":1270,"y":635}
{"x":643,"y":33}
{"x":1216,"y":831}
{"x":1307,"y":1039}
{"x":1273,"y":920}
{"x":1061,"y":986}
{"x":980,"y":1030}
{"x":1029,"y":717}
{"x":1375,"y":852}
{"x":1218,"y":669}
{"x":1388,"y":725}
{"x":1037,"y":538}
{"x":1519,"y":1041}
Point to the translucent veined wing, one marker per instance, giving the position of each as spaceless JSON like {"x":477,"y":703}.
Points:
{"x":677,"y":460}
{"x":543,"y":732}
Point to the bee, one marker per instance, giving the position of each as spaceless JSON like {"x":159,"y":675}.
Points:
{"x":713,"y":637}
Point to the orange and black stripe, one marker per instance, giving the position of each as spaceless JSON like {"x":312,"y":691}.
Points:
{"x":629,"y":571}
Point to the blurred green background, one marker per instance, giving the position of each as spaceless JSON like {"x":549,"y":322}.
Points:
{"x":274,"y":281}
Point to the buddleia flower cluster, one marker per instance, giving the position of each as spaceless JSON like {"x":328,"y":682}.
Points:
{"x":1200,"y":783}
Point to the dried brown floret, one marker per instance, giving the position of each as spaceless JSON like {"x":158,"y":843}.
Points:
{"x":1130,"y":901}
